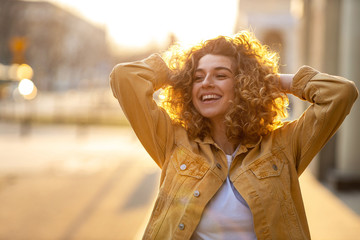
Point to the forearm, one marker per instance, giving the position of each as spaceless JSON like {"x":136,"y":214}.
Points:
{"x":133,"y":84}
{"x":331,"y":99}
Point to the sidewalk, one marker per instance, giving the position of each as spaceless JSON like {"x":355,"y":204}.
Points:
{"x":328,"y":217}
{"x":101,"y":185}
{"x":56,"y":184}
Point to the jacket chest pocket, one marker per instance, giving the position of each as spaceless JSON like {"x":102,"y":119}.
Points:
{"x":186,"y":163}
{"x":268,"y":167}
{"x":272,"y":178}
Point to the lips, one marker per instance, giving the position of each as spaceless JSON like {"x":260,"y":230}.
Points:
{"x":209,"y":97}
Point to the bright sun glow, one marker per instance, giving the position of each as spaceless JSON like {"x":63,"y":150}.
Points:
{"x":138,"y":23}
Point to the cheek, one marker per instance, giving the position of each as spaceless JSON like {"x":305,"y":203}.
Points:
{"x":193,"y":92}
{"x":232,"y":94}
{"x":194,"y":99}
{"x":230,"y":90}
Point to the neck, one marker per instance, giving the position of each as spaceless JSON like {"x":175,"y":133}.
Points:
{"x":218,"y":132}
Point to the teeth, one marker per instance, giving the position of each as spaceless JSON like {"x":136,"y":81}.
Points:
{"x":210,"y":96}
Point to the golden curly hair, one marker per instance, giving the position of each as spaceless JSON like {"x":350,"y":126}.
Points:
{"x":259,"y":104}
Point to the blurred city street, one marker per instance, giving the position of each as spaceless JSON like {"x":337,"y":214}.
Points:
{"x":62,"y":182}
{"x":71,"y":167}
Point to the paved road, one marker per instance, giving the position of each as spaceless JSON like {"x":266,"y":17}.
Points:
{"x":79,"y":183}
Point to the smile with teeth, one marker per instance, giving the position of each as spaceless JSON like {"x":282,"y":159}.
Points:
{"x":210,"y":97}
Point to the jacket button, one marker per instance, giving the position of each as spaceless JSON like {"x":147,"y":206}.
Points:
{"x":183,"y":166}
{"x":181,"y":226}
{"x":275,"y":167}
{"x":196,"y":193}
{"x":218,"y":165}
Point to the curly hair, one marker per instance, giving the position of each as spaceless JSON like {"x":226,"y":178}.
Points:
{"x":259,"y":104}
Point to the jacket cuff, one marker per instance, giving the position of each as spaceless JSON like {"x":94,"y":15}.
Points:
{"x":300,"y":80}
{"x":161,"y":70}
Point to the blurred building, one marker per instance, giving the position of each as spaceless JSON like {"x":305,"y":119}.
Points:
{"x":276,"y":23}
{"x":332,"y":37}
{"x":323,"y":34}
{"x":64,"y":50}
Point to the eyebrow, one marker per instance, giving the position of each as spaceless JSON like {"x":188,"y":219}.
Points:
{"x":217,"y":68}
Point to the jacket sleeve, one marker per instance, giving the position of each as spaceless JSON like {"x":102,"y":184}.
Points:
{"x":331,"y":99}
{"x":133,"y":84}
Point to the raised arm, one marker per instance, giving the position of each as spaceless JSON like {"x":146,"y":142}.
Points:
{"x":133,"y":84}
{"x":331,"y":99}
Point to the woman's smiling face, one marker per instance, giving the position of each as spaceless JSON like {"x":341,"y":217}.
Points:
{"x":213,"y":86}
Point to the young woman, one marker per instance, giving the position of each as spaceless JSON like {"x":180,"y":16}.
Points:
{"x":230,"y":166}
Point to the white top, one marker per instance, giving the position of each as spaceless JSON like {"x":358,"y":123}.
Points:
{"x":226,"y":216}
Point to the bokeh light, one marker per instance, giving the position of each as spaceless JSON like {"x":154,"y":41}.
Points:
{"x":32,"y":95}
{"x":12,"y":72}
{"x":26,"y":87}
{"x":24,"y":71}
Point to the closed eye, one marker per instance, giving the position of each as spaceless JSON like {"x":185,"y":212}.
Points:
{"x":221,"y":76}
{"x":198,"y":78}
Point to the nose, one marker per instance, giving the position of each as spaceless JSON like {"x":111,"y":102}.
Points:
{"x":208,"y":81}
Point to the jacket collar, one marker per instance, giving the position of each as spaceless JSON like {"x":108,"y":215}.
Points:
{"x":243,"y":148}
{"x":246,"y":147}
{"x":207,"y":140}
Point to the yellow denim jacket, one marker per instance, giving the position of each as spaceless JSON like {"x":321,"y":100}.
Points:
{"x":265,"y":174}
